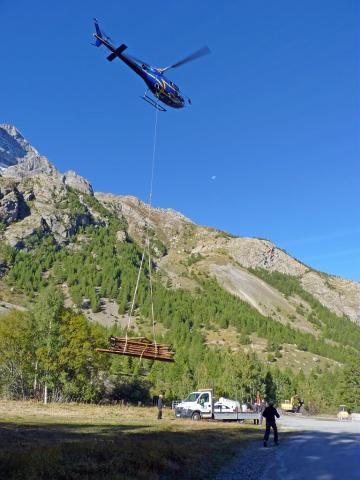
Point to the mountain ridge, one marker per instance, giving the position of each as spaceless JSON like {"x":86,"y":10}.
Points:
{"x":35,"y":197}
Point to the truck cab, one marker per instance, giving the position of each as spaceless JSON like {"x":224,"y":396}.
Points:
{"x":197,"y":405}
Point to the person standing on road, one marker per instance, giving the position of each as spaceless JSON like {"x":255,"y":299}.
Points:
{"x":160,"y":407}
{"x":257,"y":408}
{"x":262,"y":408}
{"x":269,"y":414}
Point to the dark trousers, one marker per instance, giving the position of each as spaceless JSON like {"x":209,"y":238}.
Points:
{"x":267,"y":432}
{"x":159,"y":414}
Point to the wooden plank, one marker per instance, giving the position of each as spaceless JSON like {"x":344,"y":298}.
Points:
{"x":148,"y":356}
{"x":136,"y":341}
{"x":139,"y":347}
{"x":140,"y":350}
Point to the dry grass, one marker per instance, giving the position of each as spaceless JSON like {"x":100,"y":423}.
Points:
{"x":12,"y":297}
{"x":71,"y":441}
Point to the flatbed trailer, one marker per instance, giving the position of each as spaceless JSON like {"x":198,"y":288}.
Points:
{"x":237,"y":416}
{"x":220,"y":416}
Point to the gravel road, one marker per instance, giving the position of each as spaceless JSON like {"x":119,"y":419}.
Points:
{"x":316,"y":449}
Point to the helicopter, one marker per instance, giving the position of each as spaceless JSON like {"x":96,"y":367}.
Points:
{"x":163,"y":89}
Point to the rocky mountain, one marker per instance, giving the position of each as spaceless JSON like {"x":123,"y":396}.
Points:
{"x":18,"y":157}
{"x":229,"y":259}
{"x":36,"y":199}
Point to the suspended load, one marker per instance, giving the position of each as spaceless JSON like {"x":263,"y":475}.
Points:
{"x":139,"y":347}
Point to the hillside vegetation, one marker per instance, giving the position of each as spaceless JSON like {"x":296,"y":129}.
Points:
{"x":54,"y":346}
{"x":240,"y":313}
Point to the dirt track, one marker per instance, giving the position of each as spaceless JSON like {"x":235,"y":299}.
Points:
{"x":315,"y":449}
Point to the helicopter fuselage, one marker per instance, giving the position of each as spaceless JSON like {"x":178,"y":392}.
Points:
{"x":163,"y":89}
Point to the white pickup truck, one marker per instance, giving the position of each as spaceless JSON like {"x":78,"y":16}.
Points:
{"x":200,"y":404}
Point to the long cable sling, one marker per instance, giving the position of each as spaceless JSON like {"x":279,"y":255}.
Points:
{"x":147,"y":229}
{"x":141,"y":346}
{"x":146,"y":246}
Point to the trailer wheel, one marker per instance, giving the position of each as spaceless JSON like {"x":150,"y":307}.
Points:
{"x":196,"y":416}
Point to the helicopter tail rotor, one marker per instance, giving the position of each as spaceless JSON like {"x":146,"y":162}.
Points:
{"x":100,"y":35}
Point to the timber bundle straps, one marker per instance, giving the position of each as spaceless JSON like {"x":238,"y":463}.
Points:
{"x":139,"y":347}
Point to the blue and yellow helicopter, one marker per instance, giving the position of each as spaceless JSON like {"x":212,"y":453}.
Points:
{"x":163,"y":89}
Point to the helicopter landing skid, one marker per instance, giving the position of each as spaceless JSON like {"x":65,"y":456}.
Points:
{"x":153,"y":103}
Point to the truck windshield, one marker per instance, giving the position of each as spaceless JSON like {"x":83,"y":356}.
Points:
{"x":192,"y":397}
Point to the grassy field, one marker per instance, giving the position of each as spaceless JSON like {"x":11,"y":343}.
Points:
{"x":72,"y":441}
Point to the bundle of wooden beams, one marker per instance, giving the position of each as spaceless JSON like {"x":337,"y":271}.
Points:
{"x":139,"y":347}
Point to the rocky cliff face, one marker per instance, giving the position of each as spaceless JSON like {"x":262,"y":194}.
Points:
{"x":35,"y":197}
{"x":18,"y":157}
{"x":42,"y":204}
{"x":170,"y":226}
{"x":75,"y":181}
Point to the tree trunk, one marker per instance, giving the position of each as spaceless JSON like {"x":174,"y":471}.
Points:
{"x":45,"y":394}
{"x":35,"y":378}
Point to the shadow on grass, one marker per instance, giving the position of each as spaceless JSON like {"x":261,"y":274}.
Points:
{"x":83,"y":451}
{"x":30,"y":432}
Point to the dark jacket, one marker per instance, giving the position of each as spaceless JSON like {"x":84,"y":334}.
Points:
{"x":270,"y":413}
{"x":160,"y":404}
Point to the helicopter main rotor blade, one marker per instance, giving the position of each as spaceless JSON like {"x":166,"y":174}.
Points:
{"x":199,"y":53}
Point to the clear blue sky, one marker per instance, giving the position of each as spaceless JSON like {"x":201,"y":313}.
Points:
{"x":275,"y":114}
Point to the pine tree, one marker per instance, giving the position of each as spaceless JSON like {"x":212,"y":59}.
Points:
{"x":16,"y":355}
{"x":46,"y":320}
{"x":349,"y":386}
